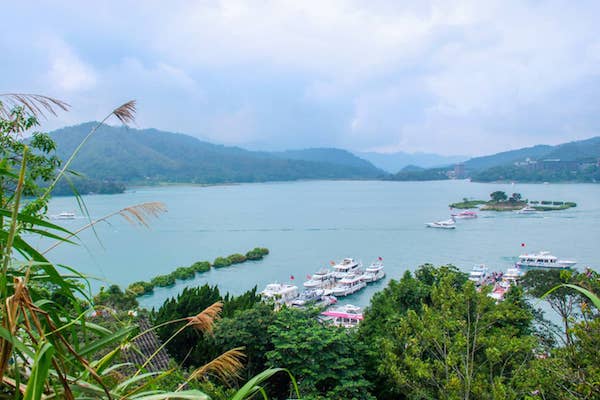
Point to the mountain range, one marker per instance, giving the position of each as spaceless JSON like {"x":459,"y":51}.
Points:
{"x":118,"y":156}
{"x":135,"y":156}
{"x":394,"y":162}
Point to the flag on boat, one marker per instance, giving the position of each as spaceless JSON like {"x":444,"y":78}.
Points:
{"x":332,"y":262}
{"x":380,"y":259}
{"x":292,"y":277}
{"x":522,"y":244}
{"x":308,"y":277}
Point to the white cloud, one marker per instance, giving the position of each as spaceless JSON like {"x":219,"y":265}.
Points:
{"x":449,"y":76}
{"x":67,"y":72}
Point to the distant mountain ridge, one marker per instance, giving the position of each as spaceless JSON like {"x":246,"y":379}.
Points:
{"x":394,"y":162}
{"x":151,"y":156}
{"x":575,"y":161}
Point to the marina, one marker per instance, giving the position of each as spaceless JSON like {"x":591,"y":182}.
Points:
{"x":376,"y":218}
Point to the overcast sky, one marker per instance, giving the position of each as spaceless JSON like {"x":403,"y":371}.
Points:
{"x":452,"y":77}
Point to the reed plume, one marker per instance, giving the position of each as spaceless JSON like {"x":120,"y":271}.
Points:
{"x":36,"y":104}
{"x":225,"y":367}
{"x":204,"y":321}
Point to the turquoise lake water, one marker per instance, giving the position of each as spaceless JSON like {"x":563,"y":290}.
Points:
{"x":308,"y":224}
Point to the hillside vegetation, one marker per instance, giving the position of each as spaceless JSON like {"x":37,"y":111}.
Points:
{"x":134,"y":156}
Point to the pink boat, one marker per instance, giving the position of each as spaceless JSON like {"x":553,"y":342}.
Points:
{"x":465,"y":215}
{"x":346,"y":320}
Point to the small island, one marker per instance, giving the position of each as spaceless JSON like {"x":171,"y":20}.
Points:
{"x":500,"y":201}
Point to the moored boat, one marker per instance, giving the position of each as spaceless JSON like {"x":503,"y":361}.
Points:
{"x":279,"y":293}
{"x":543,"y":259}
{"x":478,"y":274}
{"x":348,"y":316}
{"x":512,"y":275}
{"x":351,"y":283}
{"x":374,"y":272}
{"x":347,"y":266}
{"x":322,"y":279}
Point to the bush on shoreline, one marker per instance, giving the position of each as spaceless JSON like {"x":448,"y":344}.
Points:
{"x":141,"y":288}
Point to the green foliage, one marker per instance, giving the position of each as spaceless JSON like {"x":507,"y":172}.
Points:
{"x":201,"y":266}
{"x":432,"y":335}
{"x":257,"y":253}
{"x":247,"y":328}
{"x":184,"y":273}
{"x":191,"y":347}
{"x":433,"y":174}
{"x":221,"y":262}
{"x":466,"y":204}
{"x":149,"y":156}
{"x":141,"y":288}
{"x":163,"y":280}
{"x":498,"y":196}
{"x":322,"y":358}
{"x":236,"y":258}
{"x":114,"y":298}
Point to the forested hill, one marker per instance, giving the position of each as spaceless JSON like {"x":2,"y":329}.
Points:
{"x":135,"y":156}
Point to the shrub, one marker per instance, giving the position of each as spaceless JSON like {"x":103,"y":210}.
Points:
{"x":201,"y":266}
{"x":237,"y":258}
{"x":140,"y":288}
{"x":221,"y":262}
{"x":184,"y":273}
{"x":257,"y":253}
{"x":163,"y":280}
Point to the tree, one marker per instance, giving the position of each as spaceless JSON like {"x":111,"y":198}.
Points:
{"x":515,"y":198}
{"x":498,"y":196}
{"x":324,"y":359}
{"x":564,"y":301}
{"x":435,"y":336}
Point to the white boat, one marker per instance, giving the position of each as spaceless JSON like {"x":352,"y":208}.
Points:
{"x":322,"y":279}
{"x":512,"y":275}
{"x":65,"y":215}
{"x":527,"y":210}
{"x":478,"y":274}
{"x":279,"y":293}
{"x":347,"y":266}
{"x":543,"y":259}
{"x":447,"y":224}
{"x":351,"y":283}
{"x":465,"y":215}
{"x":308,"y":297}
{"x":374,"y":272}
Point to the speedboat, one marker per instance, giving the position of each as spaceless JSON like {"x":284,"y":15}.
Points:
{"x":374,"y":272}
{"x":447,"y":224}
{"x":478,"y":274}
{"x":543,"y":259}
{"x":351,"y":283}
{"x":279,"y":293}
{"x":347,"y":266}
{"x":465,"y":215}
{"x":527,"y":210}
{"x":322,"y":279}
{"x":65,"y":215}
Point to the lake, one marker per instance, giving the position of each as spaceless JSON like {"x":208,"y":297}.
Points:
{"x":310,"y":223}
